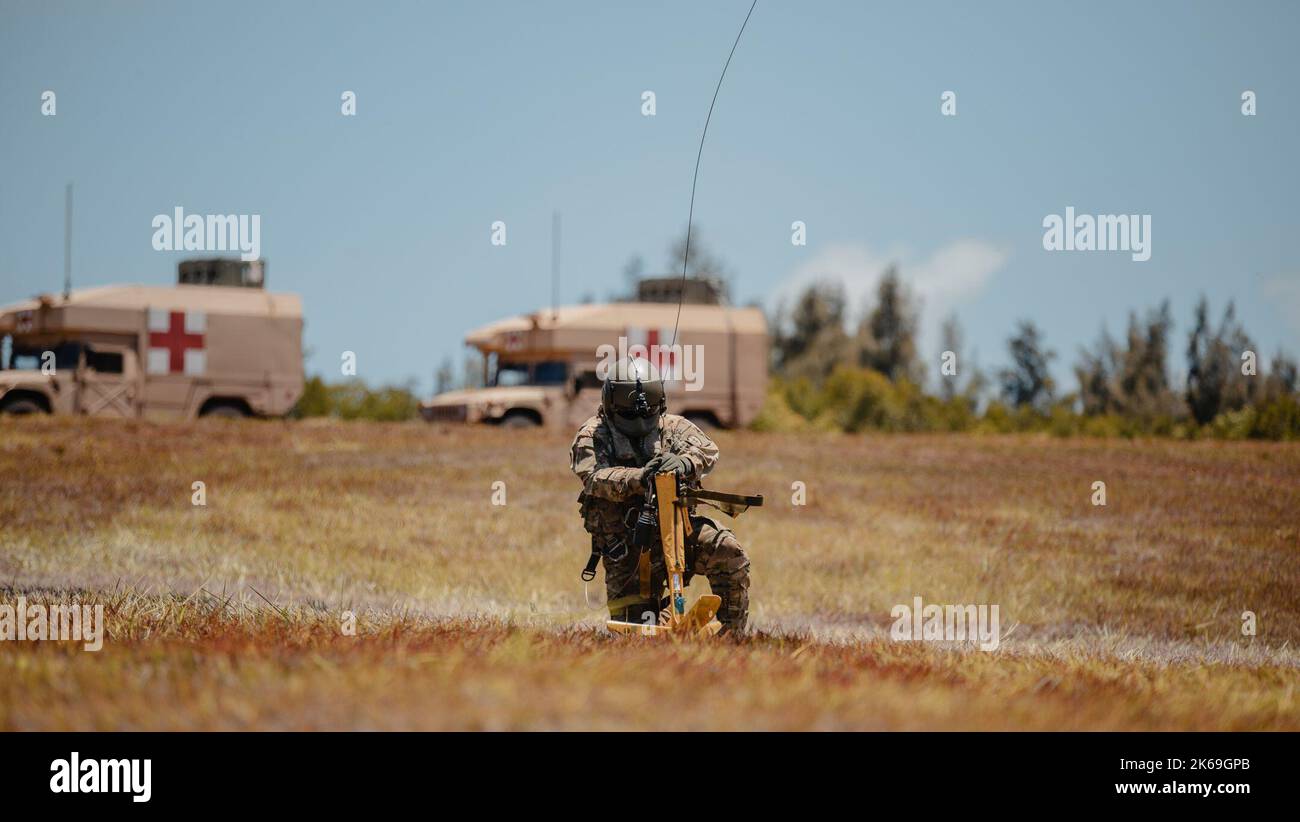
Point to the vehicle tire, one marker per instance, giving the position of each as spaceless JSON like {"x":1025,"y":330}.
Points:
{"x":22,"y":406}
{"x":225,"y":411}
{"x":518,"y":419}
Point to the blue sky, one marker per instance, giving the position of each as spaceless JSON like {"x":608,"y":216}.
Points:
{"x":830,"y":114}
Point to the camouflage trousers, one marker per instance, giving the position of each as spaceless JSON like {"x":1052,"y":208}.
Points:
{"x":711,"y":550}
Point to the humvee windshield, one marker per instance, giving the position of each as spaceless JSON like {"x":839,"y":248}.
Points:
{"x":530,"y":373}
{"x":26,"y":357}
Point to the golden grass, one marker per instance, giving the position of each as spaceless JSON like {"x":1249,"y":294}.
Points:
{"x":472,"y":616}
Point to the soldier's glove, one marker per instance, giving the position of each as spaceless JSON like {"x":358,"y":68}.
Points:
{"x":651,"y":468}
{"x":676,"y":464}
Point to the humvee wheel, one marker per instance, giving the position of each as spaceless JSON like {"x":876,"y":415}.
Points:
{"x":21,"y":406}
{"x":519,"y":419}
{"x":224,"y":412}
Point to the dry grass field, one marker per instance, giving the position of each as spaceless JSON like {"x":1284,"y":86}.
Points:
{"x":472,"y":616}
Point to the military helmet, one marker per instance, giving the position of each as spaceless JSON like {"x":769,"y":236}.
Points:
{"x":633,"y":397}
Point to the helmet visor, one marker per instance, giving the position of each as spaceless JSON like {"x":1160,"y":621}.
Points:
{"x":635,"y":425}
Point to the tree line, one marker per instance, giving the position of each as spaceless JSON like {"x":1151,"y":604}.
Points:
{"x":831,"y":374}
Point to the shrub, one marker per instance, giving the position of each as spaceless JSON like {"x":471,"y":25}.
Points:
{"x":1233,"y":425}
{"x":1277,"y":419}
{"x":353,"y":400}
{"x":776,"y":414}
{"x":859,"y":399}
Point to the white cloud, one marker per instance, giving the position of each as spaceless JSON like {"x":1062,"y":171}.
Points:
{"x":854,"y":266}
{"x":947,"y":278}
{"x":957,"y":272}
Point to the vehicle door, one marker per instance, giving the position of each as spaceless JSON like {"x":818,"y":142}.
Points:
{"x":109,"y":381}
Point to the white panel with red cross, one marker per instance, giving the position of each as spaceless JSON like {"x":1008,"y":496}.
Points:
{"x":666,"y":361}
{"x":176,"y":342}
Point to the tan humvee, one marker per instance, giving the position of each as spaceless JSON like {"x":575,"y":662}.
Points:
{"x":153,"y":351}
{"x":541,"y":368}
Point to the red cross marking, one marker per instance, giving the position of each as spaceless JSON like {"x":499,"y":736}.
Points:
{"x":176,"y":340}
{"x":665,"y":354}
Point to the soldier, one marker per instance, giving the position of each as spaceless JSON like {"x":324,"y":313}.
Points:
{"x":616,"y":454}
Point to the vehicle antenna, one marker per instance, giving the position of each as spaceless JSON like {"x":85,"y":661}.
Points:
{"x":67,"y":244}
{"x":555,"y":264}
{"x":686,"y":255}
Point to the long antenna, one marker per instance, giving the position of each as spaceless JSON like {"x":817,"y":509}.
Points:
{"x":555,"y":264}
{"x":686,"y":255}
{"x":67,"y":244}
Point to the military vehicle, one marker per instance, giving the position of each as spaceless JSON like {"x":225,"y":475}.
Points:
{"x":543,"y":368}
{"x":156,"y":351}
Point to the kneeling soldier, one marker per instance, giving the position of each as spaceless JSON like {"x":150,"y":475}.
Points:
{"x":616,"y":454}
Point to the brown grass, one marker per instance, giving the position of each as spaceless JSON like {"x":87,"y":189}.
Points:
{"x":472,"y":616}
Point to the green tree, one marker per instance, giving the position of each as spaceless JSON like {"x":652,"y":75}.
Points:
{"x":1215,"y":383}
{"x":1095,"y":371}
{"x":810,"y":341}
{"x":1281,"y":380}
{"x":887,"y":333}
{"x":1028,"y":383}
{"x":1133,"y":379}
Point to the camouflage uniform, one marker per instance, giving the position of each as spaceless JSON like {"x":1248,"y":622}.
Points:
{"x":609,"y":465}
